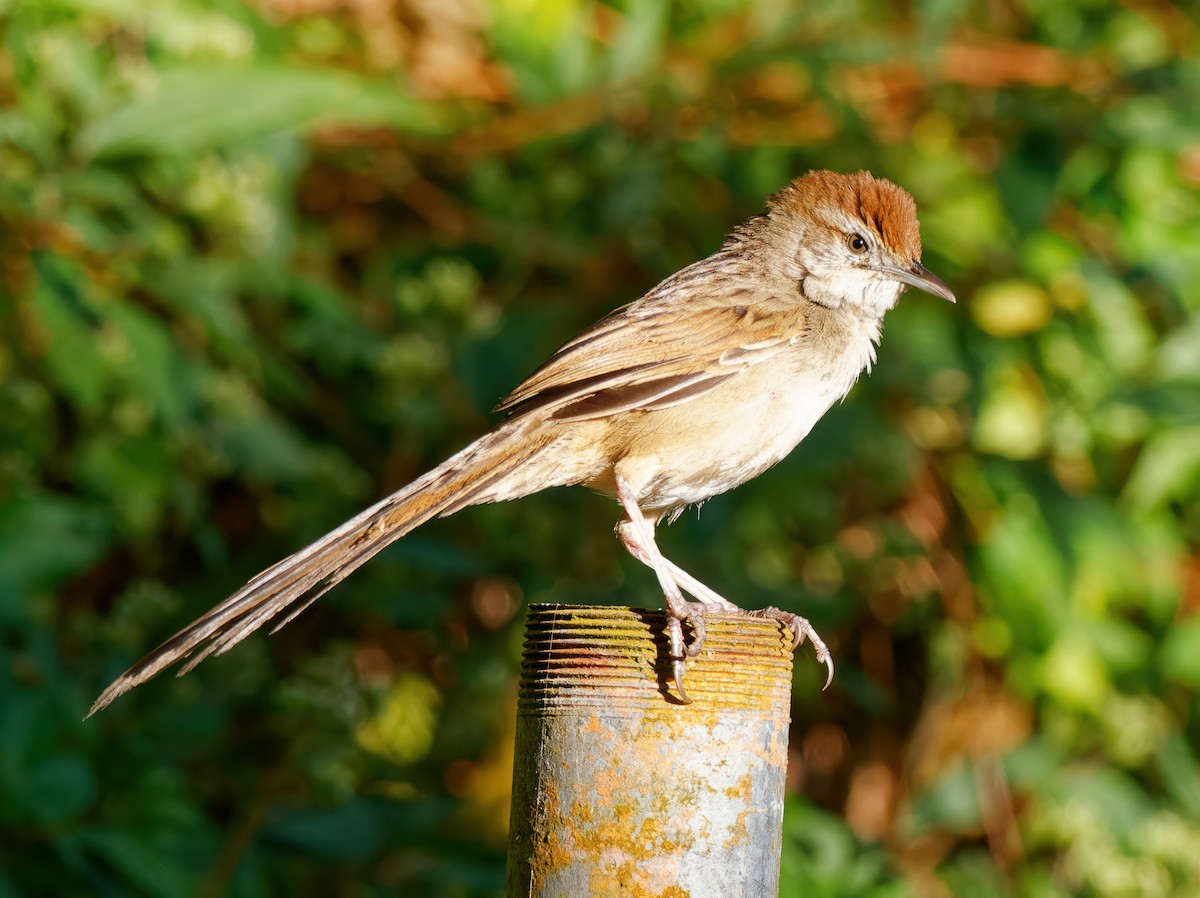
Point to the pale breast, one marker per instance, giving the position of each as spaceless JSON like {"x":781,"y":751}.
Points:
{"x":731,"y":434}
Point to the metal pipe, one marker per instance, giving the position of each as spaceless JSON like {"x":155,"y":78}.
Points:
{"x":621,"y":790}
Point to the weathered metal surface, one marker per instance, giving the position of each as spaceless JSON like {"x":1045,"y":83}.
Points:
{"x":618,"y":789}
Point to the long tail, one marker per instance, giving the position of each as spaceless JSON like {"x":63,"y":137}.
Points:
{"x":470,"y":477}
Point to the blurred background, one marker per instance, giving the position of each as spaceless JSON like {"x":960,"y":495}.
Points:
{"x":264,"y":262}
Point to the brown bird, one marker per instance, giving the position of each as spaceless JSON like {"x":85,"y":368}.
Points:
{"x":702,"y":384}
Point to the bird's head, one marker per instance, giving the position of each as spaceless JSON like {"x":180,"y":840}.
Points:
{"x":850,"y":240}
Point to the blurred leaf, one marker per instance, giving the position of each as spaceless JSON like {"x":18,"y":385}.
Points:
{"x":1074,"y":673}
{"x":1179,"y":656}
{"x":1118,"y":799}
{"x":46,"y":539}
{"x":56,"y":788}
{"x":974,"y":874}
{"x":1123,"y":647}
{"x":1034,"y":765}
{"x":134,"y":473}
{"x":1025,"y":573}
{"x":1012,"y":416}
{"x":267,"y":449}
{"x":1177,"y":353}
{"x":1177,"y":765}
{"x":951,"y":802}
{"x":195,"y":109}
{"x":640,"y":41}
{"x":157,"y":368}
{"x":1122,"y":327}
{"x":822,"y":857}
{"x":353,"y":831}
{"x":1011,"y":308}
{"x":70,"y":330}
{"x":134,"y":861}
{"x":402,"y":730}
{"x":1168,"y":468}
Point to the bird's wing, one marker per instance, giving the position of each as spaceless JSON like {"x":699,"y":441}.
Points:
{"x":651,"y":355}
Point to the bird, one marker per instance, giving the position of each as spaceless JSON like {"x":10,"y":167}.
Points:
{"x":705,"y":382}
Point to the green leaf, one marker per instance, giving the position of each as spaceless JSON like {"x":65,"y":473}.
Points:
{"x":821,"y":856}
{"x":1177,"y":766}
{"x":640,"y":41}
{"x":134,"y":474}
{"x":1168,"y":468}
{"x":46,"y":539}
{"x":952,"y":802}
{"x":56,"y":789}
{"x":1124,"y":333}
{"x":135,"y":861}
{"x":1118,"y":798}
{"x":1074,"y":673}
{"x":1178,"y":352}
{"x":347,"y":833}
{"x":1180,"y":654}
{"x":1025,"y":573}
{"x":158,"y":370}
{"x":196,"y":109}
{"x":72,"y":356}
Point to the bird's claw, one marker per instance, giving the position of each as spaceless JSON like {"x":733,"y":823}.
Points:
{"x":693,"y":614}
{"x":801,"y":629}
{"x":677,"y":671}
{"x":681,"y":649}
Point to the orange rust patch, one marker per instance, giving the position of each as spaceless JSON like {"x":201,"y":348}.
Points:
{"x":739,"y":832}
{"x":550,"y":856}
{"x":742,"y":790}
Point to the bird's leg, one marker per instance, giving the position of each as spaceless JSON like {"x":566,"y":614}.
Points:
{"x":637,"y":535}
{"x":678,"y":608}
{"x":703,"y":594}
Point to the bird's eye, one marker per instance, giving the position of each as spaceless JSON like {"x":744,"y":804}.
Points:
{"x":857,"y":244}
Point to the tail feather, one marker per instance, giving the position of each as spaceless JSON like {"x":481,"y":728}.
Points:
{"x":291,"y":585}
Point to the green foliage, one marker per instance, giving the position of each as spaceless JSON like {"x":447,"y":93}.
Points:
{"x":265,"y":261}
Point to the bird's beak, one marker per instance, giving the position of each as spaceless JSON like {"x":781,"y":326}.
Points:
{"x":922,"y":278}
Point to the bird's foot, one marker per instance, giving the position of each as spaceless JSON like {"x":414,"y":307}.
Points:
{"x":801,"y":629}
{"x":679,"y":613}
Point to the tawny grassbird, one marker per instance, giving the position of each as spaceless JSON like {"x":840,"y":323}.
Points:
{"x":702,"y":384}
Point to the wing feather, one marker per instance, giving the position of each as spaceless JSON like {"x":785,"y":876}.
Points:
{"x":657,"y":352}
